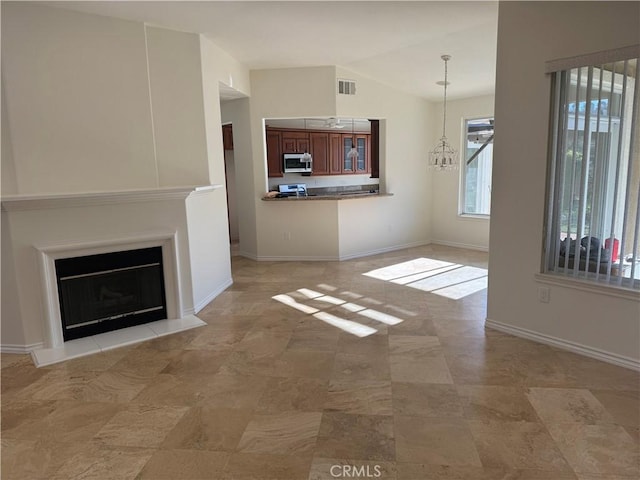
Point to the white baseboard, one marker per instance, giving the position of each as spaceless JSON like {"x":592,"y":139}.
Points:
{"x":468,"y":246}
{"x":248,"y":255}
{"x":378,"y":251}
{"x":204,"y":302}
{"x":20,"y":349}
{"x":350,"y":256}
{"x":609,"y":357}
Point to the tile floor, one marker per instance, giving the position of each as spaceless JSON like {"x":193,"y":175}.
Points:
{"x":269,"y":391}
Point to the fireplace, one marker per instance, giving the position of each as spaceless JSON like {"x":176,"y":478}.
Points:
{"x":110,"y":291}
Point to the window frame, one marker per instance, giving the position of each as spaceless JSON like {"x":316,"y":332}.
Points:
{"x":463,"y":169}
{"x":550,"y":271}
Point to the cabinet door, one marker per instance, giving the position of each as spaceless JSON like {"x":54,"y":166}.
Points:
{"x":335,"y":153}
{"x":362,"y":145}
{"x":302,"y":145}
{"x":295,"y":142}
{"x":274,"y":154}
{"x":289,"y":145}
{"x":320,"y":153}
{"x":348,"y":164}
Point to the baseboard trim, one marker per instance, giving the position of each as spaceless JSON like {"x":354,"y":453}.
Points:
{"x":20,"y":349}
{"x":615,"y":359}
{"x":294,"y":258}
{"x":250,"y":256}
{"x":378,"y":251}
{"x":340,"y":258}
{"x":468,"y":246}
{"x":209,"y":298}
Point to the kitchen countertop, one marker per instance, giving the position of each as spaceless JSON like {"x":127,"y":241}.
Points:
{"x":331,"y":196}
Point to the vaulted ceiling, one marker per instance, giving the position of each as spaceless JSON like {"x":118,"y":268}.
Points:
{"x":396,"y":43}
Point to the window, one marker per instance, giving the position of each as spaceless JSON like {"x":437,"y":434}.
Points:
{"x":594,"y":182}
{"x":476,"y":176}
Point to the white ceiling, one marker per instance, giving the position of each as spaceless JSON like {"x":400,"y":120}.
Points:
{"x":396,"y":43}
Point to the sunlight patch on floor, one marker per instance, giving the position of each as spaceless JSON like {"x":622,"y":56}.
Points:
{"x":442,"y":278}
{"x":298,"y":298}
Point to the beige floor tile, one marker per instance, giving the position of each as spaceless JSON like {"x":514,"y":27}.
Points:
{"x":69,"y":422}
{"x":375,"y":344}
{"x":349,"y":367}
{"x":432,"y":369}
{"x":293,"y":393}
{"x":305,"y":364}
{"x":413,"y":326}
{"x":426,"y":400}
{"x":623,"y":406}
{"x":358,"y":437}
{"x":184,"y":464}
{"x":489,"y":403}
{"x":208,"y":428}
{"x":140,"y":426}
{"x":34,"y":460}
{"x":250,"y":363}
{"x":23,"y":413}
{"x":315,"y":337}
{"x":566,"y":405}
{"x":415,"y":471}
{"x":251,"y":466}
{"x":289,"y":433}
{"x":176,"y":390}
{"x":511,"y":445}
{"x":367,"y":397}
{"x":332,"y":468}
{"x":434,"y":441}
{"x":97,"y":462}
{"x":598,"y":449}
{"x":9,"y":359}
{"x":217,"y":339}
{"x":196,"y":361}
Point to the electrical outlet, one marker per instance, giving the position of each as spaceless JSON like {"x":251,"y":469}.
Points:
{"x":544,"y":294}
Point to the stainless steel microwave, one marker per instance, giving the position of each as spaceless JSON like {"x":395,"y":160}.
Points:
{"x":295,"y":163}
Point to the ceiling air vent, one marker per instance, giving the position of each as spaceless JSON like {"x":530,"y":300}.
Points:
{"x":346,"y":87}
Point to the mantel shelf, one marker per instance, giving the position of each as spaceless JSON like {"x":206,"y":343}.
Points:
{"x":65,"y":200}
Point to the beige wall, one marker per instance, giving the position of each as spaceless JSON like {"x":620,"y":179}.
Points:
{"x":175,"y":79}
{"x":77,"y":96}
{"x":329,"y":229}
{"x":406,"y":130}
{"x":448,"y":227}
{"x":530,"y":33}
{"x":238,"y":113}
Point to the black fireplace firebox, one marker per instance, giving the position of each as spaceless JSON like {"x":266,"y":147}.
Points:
{"x":100,"y":293}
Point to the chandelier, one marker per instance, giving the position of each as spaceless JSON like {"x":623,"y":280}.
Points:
{"x":443,"y":156}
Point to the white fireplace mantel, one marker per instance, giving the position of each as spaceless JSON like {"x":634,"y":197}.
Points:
{"x":19,"y":202}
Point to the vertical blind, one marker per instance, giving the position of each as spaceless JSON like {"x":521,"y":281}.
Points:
{"x":593,"y":220}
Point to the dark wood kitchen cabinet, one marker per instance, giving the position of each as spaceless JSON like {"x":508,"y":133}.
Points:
{"x":319,"y":150}
{"x":295,"y":142}
{"x":274,"y":154}
{"x":227,"y":137}
{"x":335,"y":154}
{"x":328,"y":149}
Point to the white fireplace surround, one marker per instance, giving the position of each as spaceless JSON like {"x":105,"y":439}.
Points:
{"x":48,"y":254}
{"x":37,"y":230}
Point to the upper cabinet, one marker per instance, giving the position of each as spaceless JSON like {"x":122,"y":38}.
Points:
{"x":329,"y":151}
{"x":274,"y":154}
{"x":295,"y":142}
